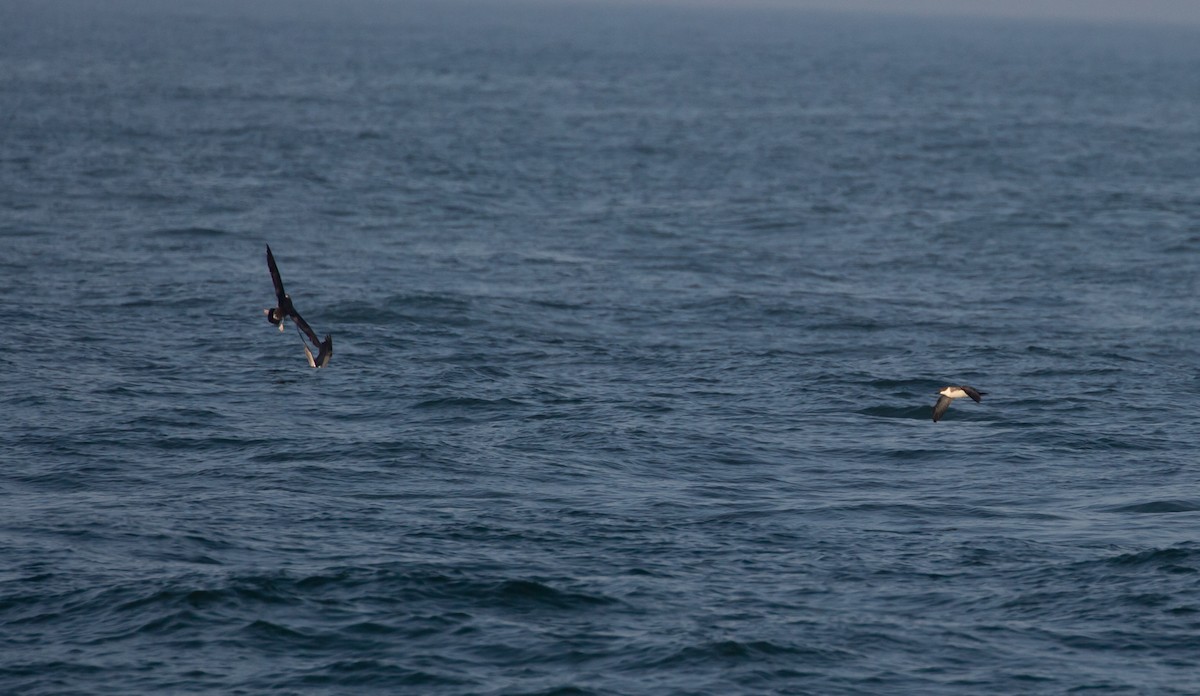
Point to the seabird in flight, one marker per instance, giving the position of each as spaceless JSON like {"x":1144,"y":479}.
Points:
{"x":284,"y":308}
{"x":948,"y":394}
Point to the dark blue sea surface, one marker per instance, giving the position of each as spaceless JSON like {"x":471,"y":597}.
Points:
{"x":639,"y":315}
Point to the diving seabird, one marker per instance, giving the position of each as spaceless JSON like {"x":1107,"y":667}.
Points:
{"x":284,"y":309}
{"x":948,"y":394}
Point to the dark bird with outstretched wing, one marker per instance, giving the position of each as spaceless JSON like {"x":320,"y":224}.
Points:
{"x":284,"y":309}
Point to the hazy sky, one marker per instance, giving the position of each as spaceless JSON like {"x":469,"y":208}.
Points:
{"x":1157,"y":11}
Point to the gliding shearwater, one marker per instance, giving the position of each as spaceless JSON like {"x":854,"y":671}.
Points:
{"x":948,"y":394}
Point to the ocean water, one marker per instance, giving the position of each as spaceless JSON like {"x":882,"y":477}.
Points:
{"x":639,"y":316}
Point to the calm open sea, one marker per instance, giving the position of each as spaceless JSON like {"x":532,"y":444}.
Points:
{"x":639,"y":317}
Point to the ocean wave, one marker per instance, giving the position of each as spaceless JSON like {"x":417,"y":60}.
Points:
{"x":1156,"y":507}
{"x":905,"y":412}
{"x":189,"y":232}
{"x":1184,"y":558}
{"x":741,"y":652}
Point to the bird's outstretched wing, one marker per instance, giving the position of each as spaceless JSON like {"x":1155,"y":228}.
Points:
{"x":279,"y":293}
{"x":975,"y":394}
{"x":307,"y":353}
{"x":940,"y":407}
{"x":304,"y":328}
